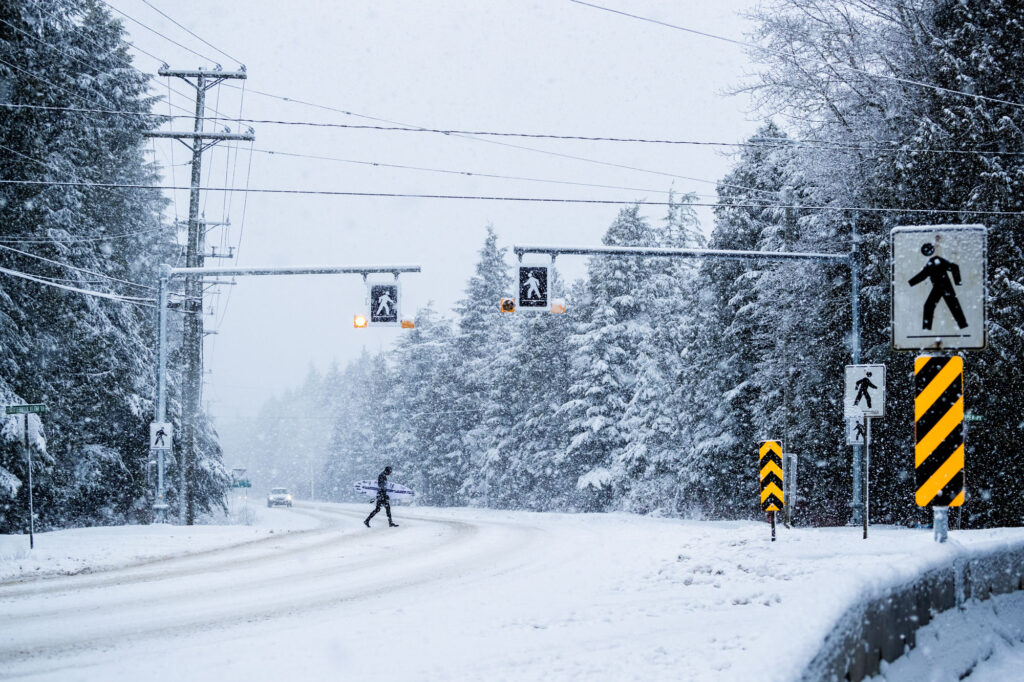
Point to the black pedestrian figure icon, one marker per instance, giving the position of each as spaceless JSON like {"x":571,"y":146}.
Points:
{"x":862,"y":390}
{"x":858,"y":431}
{"x":158,"y":440}
{"x":938,"y":270}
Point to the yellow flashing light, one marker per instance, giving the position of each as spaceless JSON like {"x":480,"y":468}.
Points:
{"x":359,"y":321}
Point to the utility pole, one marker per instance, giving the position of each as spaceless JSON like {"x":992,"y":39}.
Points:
{"x":197,"y":141}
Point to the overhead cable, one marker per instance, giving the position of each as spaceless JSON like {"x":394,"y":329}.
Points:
{"x":150,"y":302}
{"x":546,"y":200}
{"x":182,"y":27}
{"x":793,"y":57}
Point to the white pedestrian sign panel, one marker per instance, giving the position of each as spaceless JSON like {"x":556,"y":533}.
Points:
{"x":533,"y":287}
{"x":160,"y":435}
{"x":864,"y":394}
{"x":938,"y":287}
{"x":384,"y":303}
{"x":858,"y":431}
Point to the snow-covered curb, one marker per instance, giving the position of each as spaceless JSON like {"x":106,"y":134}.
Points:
{"x":884,"y":625}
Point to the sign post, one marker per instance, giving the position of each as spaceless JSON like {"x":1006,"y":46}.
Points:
{"x":161,"y":437}
{"x":863,"y":398}
{"x":27,"y":410}
{"x":938,"y":304}
{"x":770,"y":464}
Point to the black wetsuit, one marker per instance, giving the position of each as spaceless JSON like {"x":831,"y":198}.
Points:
{"x":382,"y":499}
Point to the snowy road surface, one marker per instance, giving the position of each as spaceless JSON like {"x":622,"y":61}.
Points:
{"x":452,"y":594}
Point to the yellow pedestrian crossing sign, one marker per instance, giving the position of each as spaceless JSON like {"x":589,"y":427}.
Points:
{"x":938,"y":431}
{"x":770,"y":466}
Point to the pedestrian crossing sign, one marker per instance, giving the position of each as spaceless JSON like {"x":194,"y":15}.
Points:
{"x":533,"y":288}
{"x":384,"y":303}
{"x":161,"y":434}
{"x":938,"y":287}
{"x":864,"y":394}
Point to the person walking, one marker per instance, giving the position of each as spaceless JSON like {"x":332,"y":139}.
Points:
{"x":382,"y":499}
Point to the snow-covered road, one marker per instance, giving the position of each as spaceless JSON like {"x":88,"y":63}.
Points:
{"x":454,"y":594}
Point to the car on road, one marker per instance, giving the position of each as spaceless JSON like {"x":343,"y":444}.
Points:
{"x":279,"y":497}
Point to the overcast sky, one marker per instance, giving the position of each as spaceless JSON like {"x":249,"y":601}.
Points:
{"x":501,"y":65}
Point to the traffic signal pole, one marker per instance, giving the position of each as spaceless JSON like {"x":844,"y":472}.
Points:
{"x":849,"y":259}
{"x":195,"y":274}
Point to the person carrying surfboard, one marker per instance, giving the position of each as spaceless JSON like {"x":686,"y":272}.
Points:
{"x":382,"y":498}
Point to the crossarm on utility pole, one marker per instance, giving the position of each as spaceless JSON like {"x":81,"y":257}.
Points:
{"x":200,"y":135}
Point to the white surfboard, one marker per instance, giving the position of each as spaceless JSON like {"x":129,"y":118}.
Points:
{"x":395,"y":491}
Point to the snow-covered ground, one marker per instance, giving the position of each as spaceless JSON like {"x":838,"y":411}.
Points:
{"x":452,"y":594}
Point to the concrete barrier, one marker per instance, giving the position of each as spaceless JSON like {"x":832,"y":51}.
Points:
{"x":885,"y":627}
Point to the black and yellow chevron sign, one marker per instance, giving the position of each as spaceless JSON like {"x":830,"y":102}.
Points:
{"x":939,"y":431}
{"x":771,"y":475}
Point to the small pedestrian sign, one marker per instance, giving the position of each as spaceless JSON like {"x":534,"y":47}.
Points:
{"x":384,"y":303}
{"x":160,"y":435}
{"x":858,"y":431}
{"x":533,"y":287}
{"x":938,"y":287}
{"x":864,"y":393}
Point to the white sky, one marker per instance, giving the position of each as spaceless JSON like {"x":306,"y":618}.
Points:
{"x":546,"y":67}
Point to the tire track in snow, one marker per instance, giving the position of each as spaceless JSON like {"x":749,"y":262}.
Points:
{"x":463,"y":553}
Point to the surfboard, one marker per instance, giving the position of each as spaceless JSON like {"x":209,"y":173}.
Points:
{"x":396,"y":491}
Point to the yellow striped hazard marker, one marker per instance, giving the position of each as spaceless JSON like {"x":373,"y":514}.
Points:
{"x":939,"y":431}
{"x":771,"y":475}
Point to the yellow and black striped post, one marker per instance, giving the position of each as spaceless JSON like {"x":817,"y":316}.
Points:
{"x":939,"y":432}
{"x":770,"y":466}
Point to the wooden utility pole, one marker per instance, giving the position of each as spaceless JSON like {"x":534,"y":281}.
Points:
{"x":197,"y":141}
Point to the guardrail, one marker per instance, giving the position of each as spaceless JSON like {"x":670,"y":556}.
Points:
{"x":885,"y":627}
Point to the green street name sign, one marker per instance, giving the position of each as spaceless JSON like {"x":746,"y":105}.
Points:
{"x":26,"y":409}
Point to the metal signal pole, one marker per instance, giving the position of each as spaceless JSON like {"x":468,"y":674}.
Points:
{"x":202,"y":80}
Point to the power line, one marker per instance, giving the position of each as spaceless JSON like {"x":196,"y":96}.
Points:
{"x":793,"y":57}
{"x":506,"y":144}
{"x":148,"y":302}
{"x":472,"y":174}
{"x":76,"y":268}
{"x":765,"y":143}
{"x":545,"y":200}
{"x":75,"y":240}
{"x":153,"y":30}
{"x":205,"y":42}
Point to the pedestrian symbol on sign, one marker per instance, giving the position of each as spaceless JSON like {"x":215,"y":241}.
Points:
{"x":384,"y":303}
{"x":862,"y":390}
{"x":938,"y":270}
{"x":533,"y":287}
{"x":160,"y":435}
